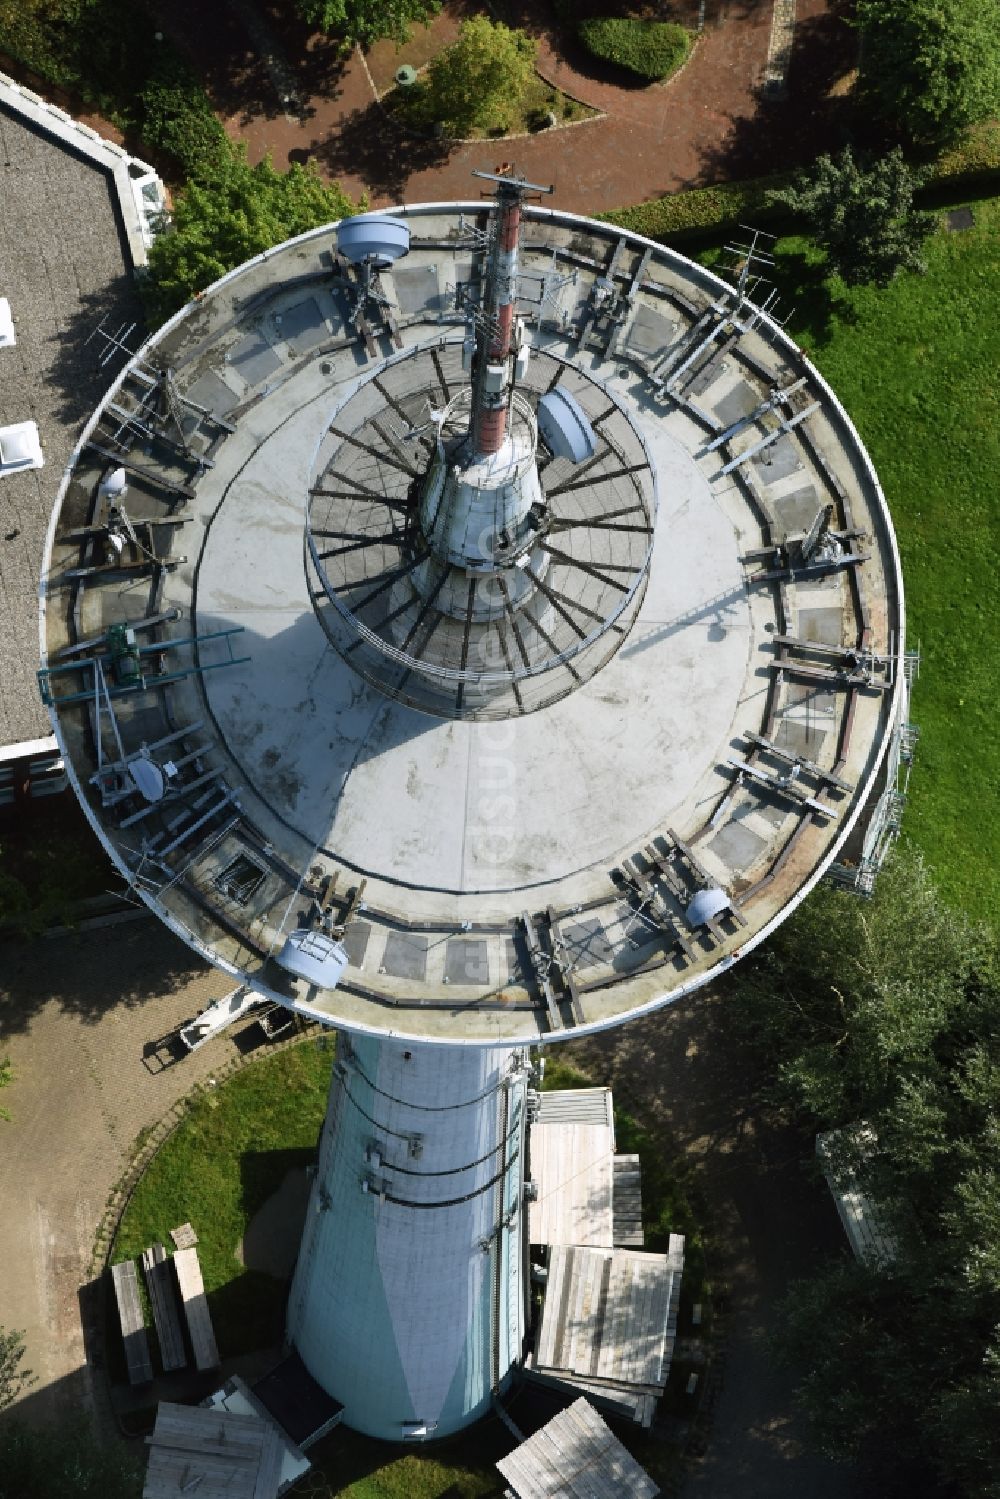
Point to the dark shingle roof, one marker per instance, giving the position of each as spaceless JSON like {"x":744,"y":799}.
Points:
{"x":63,"y":266}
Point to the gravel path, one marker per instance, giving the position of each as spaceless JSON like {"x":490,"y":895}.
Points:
{"x":77,"y":1017}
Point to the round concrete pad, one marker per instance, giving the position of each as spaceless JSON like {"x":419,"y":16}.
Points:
{"x":530,"y":799}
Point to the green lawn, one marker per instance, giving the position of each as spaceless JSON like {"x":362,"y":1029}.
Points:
{"x":917,"y":367}
{"x":226,"y":1158}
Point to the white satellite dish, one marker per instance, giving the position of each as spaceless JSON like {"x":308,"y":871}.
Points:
{"x":147,"y":778}
{"x":706,"y":904}
{"x":565,"y":426}
{"x":113,"y":484}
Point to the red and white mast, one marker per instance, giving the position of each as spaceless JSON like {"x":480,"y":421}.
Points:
{"x":496,"y":343}
{"x":483,"y":485}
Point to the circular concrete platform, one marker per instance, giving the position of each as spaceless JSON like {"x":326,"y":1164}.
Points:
{"x":526,"y":877}
{"x":470,"y":806}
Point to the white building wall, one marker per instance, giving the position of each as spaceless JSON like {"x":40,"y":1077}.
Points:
{"x":408,"y":1300}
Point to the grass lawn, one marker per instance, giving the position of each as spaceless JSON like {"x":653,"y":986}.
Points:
{"x":217,"y":1168}
{"x":232,"y":1152}
{"x":916,"y":366}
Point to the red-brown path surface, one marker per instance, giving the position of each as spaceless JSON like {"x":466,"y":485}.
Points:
{"x":704,"y":125}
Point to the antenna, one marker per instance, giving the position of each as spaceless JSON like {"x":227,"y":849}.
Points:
{"x":113,"y":343}
{"x":496,"y":332}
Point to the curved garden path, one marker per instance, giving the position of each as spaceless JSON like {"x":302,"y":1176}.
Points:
{"x":706,"y":124}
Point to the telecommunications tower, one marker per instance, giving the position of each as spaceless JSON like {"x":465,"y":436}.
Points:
{"x":470,"y":626}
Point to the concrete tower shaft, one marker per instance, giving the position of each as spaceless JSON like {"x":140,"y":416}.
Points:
{"x":408,"y":1302}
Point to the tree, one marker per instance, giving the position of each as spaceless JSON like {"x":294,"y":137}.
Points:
{"x":862,"y":216}
{"x":365,"y":21}
{"x":229,"y":216}
{"x":888,"y":1012}
{"x":930,"y":67}
{"x":14,"y":1379}
{"x":477,"y":82}
{"x":6,"y":1077}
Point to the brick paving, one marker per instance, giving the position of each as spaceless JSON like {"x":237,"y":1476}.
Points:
{"x":705,"y":124}
{"x":77,"y":1014}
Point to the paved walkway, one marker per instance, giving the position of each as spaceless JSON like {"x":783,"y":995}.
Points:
{"x":772,"y":1225}
{"x":76,"y":1015}
{"x":705,"y":124}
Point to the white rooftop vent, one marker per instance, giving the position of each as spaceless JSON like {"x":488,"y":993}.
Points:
{"x":8,"y":338}
{"x":706,"y":904}
{"x":315,"y":957}
{"x":375,"y":237}
{"x":565,"y":427}
{"x":20,"y":447}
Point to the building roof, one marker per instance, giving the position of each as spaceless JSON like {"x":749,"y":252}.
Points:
{"x":572,"y":1147}
{"x":609,"y":1320}
{"x":63,"y":266}
{"x":214,"y":1453}
{"x":577,"y":1106}
{"x":238,"y":1399}
{"x":575,"y":1456}
{"x":301,"y":1407}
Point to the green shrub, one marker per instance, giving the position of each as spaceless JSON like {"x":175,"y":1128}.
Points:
{"x":651,"y":49}
{"x":106,"y":52}
{"x":178,"y":120}
{"x":702,"y":211}
{"x":478,"y":82}
{"x":973,"y":162}
{"x":92,"y":47}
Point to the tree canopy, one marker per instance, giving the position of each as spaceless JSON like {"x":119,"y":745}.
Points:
{"x":56,"y":1462}
{"x":861,"y":214}
{"x":930,"y":67}
{"x":6,"y":1077}
{"x":14,"y":1378}
{"x":888,"y":1012}
{"x":231,"y":214}
{"x":476,"y":83}
{"x":365,"y":21}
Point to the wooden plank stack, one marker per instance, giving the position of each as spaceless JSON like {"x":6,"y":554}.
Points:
{"x":126,"y":1284}
{"x":195,"y":1303}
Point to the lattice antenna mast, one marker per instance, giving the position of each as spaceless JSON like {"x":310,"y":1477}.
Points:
{"x":112,"y":344}
{"x":748,"y":258}
{"x":496,"y":333}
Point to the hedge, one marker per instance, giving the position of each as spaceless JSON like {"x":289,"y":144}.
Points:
{"x":702,"y":210}
{"x":973,"y":161}
{"x":699,"y":214}
{"x":178,"y":120}
{"x":650,"y":49}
